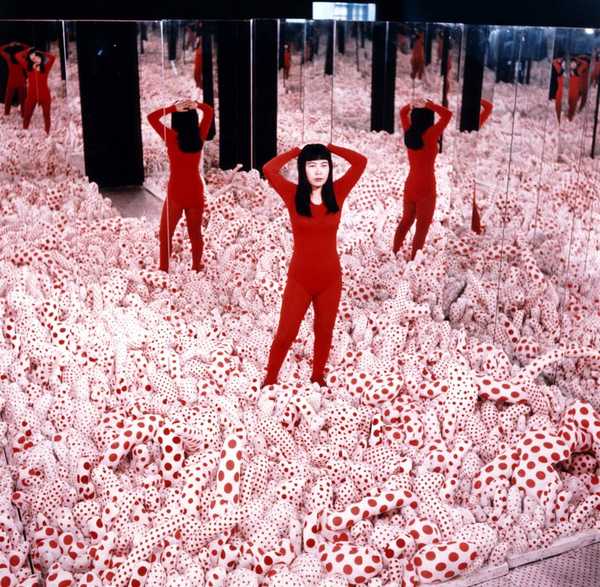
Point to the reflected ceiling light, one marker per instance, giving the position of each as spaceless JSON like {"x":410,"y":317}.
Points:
{"x":295,"y":20}
{"x":589,"y":31}
{"x":343,"y":11}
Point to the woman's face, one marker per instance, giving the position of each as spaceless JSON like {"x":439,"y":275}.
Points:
{"x":36,"y":59}
{"x":317,"y":172}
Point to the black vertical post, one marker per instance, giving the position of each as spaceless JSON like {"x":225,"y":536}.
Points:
{"x":281,"y":43}
{"x":112,"y":137}
{"x":329,"y":51}
{"x":141,"y":39}
{"x":428,"y":42}
{"x":62,"y":51}
{"x":444,"y":68}
{"x":356,"y":46}
{"x":593,"y":153}
{"x":264,"y":91}
{"x":233,"y":62}
{"x":383,"y":78}
{"x":473,"y":77}
{"x":340,"y":33}
{"x":208,"y":92}
{"x":172,"y":39}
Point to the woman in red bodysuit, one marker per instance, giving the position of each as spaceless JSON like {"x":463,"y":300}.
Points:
{"x":558,"y":65}
{"x":476,"y":225}
{"x":314,"y":274}
{"x":421,"y":139}
{"x":417,"y":59}
{"x":185,"y":191}
{"x":17,"y":76}
{"x":578,"y":84}
{"x":287,"y":61}
{"x":198,"y":63}
{"x":37,"y":64}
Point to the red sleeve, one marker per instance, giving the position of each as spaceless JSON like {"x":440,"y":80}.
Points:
{"x":557,"y":64}
{"x":51,"y":60}
{"x":207,"y":119}
{"x":4,"y":53}
{"x":272,"y":171}
{"x":358,"y":163}
{"x":157,"y":125}
{"x":485,"y":113}
{"x":404,"y":117}
{"x":444,"y":114}
{"x":21,"y":58}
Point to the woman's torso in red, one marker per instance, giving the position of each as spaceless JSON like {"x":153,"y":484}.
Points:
{"x":16,"y":75}
{"x":37,"y":83}
{"x":421,"y":177}
{"x":315,"y":243}
{"x":185,"y":183}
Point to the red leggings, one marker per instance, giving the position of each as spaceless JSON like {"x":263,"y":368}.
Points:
{"x":11,"y":90}
{"x":29,"y":107}
{"x":170,"y":216}
{"x":296,"y":299}
{"x":421,"y":208}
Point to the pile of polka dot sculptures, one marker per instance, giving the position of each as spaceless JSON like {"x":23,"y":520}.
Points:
{"x":460,"y":423}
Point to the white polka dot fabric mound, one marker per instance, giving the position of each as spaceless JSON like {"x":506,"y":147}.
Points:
{"x":460,"y":424}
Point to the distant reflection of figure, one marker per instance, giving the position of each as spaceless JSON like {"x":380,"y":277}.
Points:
{"x":421,"y":137}
{"x":185,"y":191}
{"x":198,"y":63}
{"x":287,"y":61}
{"x":417,"y":59}
{"x":476,"y":225}
{"x":37,"y":65}
{"x":17,"y":76}
{"x":558,"y":65}
{"x":596,"y":69}
{"x":578,"y":84}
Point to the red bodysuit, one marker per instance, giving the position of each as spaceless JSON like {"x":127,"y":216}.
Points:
{"x":314,"y":274}
{"x":287,"y":62}
{"x":420,"y":188}
{"x":37,"y":88}
{"x":198,"y":66}
{"x":417,"y":59}
{"x":560,"y":82}
{"x":185,"y":190}
{"x":578,"y":86}
{"x":16,"y":82}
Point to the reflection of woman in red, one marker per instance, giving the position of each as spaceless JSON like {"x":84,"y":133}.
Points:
{"x":417,"y":59}
{"x":17,"y":77}
{"x":476,"y":225}
{"x":558,"y":65}
{"x":421,"y":137}
{"x":287,"y":61}
{"x":596,"y":69}
{"x":314,"y":274}
{"x":37,"y":64}
{"x":578,"y":84}
{"x":185,"y":190}
{"x":198,"y":63}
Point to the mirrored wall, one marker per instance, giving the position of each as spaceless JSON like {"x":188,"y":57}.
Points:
{"x":516,"y":171}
